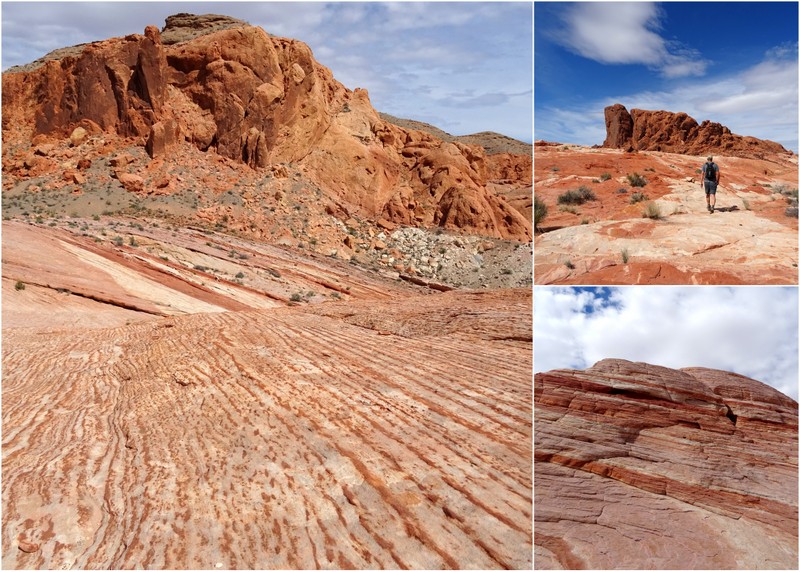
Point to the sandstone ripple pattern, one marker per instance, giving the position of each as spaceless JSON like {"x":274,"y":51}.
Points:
{"x":280,"y":438}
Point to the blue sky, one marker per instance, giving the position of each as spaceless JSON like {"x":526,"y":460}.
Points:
{"x":731,"y":62}
{"x":752,"y":331}
{"x":463,"y":67}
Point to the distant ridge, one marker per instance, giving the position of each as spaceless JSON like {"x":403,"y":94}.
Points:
{"x":492,"y":142}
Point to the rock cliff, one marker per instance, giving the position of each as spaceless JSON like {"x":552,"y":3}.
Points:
{"x":229,"y":88}
{"x":639,"y":466}
{"x":642,"y":130}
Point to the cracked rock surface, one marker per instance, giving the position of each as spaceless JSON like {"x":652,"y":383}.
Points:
{"x":644,"y":467}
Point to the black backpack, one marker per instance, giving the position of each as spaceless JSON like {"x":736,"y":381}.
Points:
{"x":711,"y":172}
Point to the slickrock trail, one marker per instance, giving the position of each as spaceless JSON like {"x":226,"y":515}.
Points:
{"x":640,"y":466}
{"x":750,"y":239}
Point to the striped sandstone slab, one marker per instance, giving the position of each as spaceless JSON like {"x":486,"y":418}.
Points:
{"x":361,"y":435}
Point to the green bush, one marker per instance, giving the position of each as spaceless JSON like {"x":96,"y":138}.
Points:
{"x":605,"y":176}
{"x":539,"y":211}
{"x":637,"y":198}
{"x":577,"y":196}
{"x":636,"y":180}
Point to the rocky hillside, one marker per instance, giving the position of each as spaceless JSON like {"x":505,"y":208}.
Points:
{"x":232,"y":91}
{"x":678,"y":133}
{"x":644,"y":467}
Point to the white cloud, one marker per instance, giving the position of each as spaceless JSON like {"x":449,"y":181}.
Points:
{"x":626,"y":33}
{"x":760,"y":101}
{"x":748,"y":330}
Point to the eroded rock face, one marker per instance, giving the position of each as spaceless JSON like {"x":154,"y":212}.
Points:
{"x":233,"y":89}
{"x":639,"y":466}
{"x":670,"y":132}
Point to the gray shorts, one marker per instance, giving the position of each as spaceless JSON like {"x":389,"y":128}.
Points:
{"x":711,"y":187}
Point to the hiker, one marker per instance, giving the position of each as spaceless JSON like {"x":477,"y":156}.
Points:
{"x":709,"y":183}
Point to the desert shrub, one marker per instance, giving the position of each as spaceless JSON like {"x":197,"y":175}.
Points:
{"x":564,"y":209}
{"x":622,"y":191}
{"x":117,"y":240}
{"x":605,"y":176}
{"x":296,"y":297}
{"x":569,"y":265}
{"x":577,"y":196}
{"x":240,"y":275}
{"x":625,"y":256}
{"x":652,"y":211}
{"x":539,"y":212}
{"x":780,"y":188}
{"x":637,"y":198}
{"x":636,"y":180}
{"x":132,"y":241}
{"x":20,"y":285}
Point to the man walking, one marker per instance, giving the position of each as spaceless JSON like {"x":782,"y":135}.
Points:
{"x":710,"y":182}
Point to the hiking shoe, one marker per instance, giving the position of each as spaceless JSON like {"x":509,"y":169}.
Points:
{"x":711,"y":210}
{"x":708,"y":207}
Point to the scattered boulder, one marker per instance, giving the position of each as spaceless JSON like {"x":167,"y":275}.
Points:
{"x":132,"y":183}
{"x":163,"y":135}
{"x":78,"y":136}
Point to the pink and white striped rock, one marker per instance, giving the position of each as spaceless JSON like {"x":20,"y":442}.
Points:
{"x":640,"y":466}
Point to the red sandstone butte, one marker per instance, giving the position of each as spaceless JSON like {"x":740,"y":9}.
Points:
{"x":644,"y":467}
{"x":642,"y":130}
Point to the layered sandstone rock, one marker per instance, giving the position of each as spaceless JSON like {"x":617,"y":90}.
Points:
{"x":230,"y":88}
{"x":642,"y":130}
{"x":349,"y":436}
{"x":639,"y":466}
